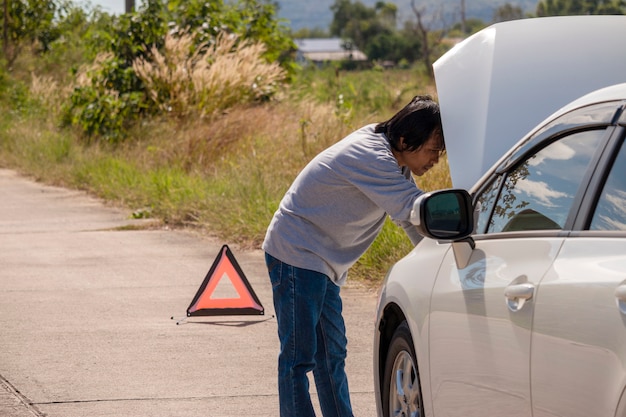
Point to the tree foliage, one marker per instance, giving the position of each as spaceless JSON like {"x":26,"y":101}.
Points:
{"x":111,"y":95}
{"x":254,"y":20}
{"x":27,"y":22}
{"x":458,"y":30}
{"x":108,"y":95}
{"x":374,"y":30}
{"x":507,"y":12}
{"x":580,"y":7}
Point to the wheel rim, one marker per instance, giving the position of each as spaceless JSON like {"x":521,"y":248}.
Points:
{"x":404,"y":395}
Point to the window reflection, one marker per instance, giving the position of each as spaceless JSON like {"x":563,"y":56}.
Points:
{"x":596,"y":114}
{"x":610,"y":212}
{"x":538,"y":193}
{"x":485,"y":204}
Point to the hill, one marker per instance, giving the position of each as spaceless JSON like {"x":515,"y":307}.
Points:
{"x":317,"y":14}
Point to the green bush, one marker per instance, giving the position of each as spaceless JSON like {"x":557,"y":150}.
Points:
{"x":137,"y":75}
{"x":104,"y":103}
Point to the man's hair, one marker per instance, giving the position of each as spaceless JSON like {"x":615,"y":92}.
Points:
{"x":416,"y":122}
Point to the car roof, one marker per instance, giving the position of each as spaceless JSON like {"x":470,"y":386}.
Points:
{"x":610,"y":93}
{"x":498,"y":84}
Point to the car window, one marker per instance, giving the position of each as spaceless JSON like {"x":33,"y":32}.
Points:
{"x":597,"y":114}
{"x":485,"y":203}
{"x":538,"y":192}
{"x":610,"y":213}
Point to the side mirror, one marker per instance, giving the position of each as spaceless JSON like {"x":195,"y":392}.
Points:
{"x":444,"y":215}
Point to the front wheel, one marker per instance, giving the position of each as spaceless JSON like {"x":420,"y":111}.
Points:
{"x":402,"y":394}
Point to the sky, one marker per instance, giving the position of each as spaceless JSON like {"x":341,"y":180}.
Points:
{"x":290,"y":8}
{"x":118,"y":6}
{"x":109,"y":6}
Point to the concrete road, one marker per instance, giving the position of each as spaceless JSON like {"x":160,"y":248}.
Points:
{"x":86,"y":301}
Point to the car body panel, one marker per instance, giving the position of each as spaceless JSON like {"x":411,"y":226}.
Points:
{"x":411,"y":288}
{"x":498,"y":84}
{"x":479,"y":344}
{"x":576,"y":304}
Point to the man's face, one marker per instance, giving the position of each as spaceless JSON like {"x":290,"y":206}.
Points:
{"x":424,"y":158}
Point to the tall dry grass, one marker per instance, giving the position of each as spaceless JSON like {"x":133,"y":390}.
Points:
{"x":186,"y":80}
{"x":49,"y":92}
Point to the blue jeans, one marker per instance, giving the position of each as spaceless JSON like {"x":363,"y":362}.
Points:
{"x":312,"y":337}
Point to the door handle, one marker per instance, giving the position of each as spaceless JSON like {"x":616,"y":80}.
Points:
{"x":517,"y":295}
{"x":524,"y":291}
{"x":620,"y":292}
{"x":620,"y":295}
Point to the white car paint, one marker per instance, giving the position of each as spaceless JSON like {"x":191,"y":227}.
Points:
{"x":575,"y":305}
{"x":482,"y":351}
{"x":499,"y":83}
{"x":480,"y":341}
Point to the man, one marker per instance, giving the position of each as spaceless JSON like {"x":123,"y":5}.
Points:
{"x":327,"y":219}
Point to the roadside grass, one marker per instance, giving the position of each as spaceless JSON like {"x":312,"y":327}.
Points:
{"x":223,"y":175}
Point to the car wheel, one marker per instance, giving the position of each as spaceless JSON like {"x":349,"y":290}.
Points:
{"x":402,"y":394}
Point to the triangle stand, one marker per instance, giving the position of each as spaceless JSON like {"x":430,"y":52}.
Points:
{"x":225,"y":267}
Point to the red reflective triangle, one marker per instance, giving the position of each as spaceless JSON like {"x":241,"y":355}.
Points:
{"x":206,"y":304}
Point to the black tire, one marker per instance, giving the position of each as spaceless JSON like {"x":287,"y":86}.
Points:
{"x":401,"y":391}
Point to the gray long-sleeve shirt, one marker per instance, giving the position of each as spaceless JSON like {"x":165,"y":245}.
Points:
{"x":337,"y":205}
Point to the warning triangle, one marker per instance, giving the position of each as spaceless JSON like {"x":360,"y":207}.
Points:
{"x":216,"y":297}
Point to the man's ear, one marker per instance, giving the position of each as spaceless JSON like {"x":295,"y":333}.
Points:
{"x":403,"y":145}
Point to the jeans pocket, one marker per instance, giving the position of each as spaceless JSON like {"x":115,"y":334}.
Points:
{"x":274,"y":268}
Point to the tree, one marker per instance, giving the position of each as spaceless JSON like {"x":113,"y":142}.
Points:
{"x":310,"y":33}
{"x":25,"y":22}
{"x":387,"y":14}
{"x":395,"y":46}
{"x":507,"y":12}
{"x":254,"y":20}
{"x":353,"y":21}
{"x":471,"y":26}
{"x":112,"y":95}
{"x":374,"y":30}
{"x":430,"y":39}
{"x":580,"y":7}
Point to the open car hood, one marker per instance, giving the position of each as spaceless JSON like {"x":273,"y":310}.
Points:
{"x":498,"y":84}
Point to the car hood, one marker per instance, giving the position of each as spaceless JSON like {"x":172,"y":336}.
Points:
{"x":497,"y":85}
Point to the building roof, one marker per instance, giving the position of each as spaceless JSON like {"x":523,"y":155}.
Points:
{"x":328,"y":49}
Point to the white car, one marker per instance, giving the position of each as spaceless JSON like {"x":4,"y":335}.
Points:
{"x":514,"y":303}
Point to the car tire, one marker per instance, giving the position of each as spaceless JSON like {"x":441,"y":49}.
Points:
{"x":401,"y":391}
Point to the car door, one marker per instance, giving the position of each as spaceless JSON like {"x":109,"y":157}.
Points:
{"x":578,"y":350}
{"x":482,"y":314}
